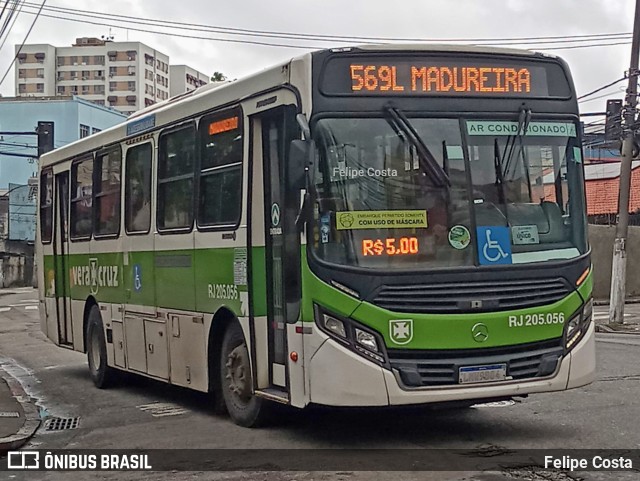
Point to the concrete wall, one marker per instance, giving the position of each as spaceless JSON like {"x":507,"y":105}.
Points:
{"x":601,"y":239}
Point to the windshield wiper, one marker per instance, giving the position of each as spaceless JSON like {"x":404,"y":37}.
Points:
{"x":400,"y":122}
{"x":523,"y":125}
{"x":498,"y":168}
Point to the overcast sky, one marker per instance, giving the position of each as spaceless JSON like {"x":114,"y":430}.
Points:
{"x":429,"y":19}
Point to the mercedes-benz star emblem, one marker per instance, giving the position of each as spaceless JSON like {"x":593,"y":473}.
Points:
{"x":480,"y":332}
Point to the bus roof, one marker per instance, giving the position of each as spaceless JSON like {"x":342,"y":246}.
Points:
{"x":190,"y":103}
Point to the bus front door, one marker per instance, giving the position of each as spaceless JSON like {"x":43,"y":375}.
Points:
{"x":60,"y":253}
{"x":272,"y":133}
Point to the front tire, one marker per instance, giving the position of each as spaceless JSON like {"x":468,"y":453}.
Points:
{"x":236,"y":382}
{"x":101,"y":374}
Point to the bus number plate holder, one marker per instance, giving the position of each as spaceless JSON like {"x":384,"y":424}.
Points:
{"x":486,"y":373}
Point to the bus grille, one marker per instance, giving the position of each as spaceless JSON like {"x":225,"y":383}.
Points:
{"x":474,"y":296}
{"x":440,"y":367}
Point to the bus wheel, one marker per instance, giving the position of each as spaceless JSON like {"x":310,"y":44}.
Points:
{"x":101,"y":374}
{"x":235,"y":374}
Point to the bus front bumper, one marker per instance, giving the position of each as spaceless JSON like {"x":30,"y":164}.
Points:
{"x":339,"y":377}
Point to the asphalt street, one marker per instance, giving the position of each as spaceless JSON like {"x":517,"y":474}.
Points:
{"x":140,"y":413}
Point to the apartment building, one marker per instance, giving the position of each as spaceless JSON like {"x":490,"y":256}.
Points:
{"x":127,"y":76}
{"x":183,"y":78}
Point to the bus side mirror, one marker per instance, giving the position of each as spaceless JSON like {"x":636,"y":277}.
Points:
{"x":301,"y":156}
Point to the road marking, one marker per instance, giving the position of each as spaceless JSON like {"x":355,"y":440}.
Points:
{"x":158,"y":409}
{"x":31,"y":308}
{"x":5,"y":309}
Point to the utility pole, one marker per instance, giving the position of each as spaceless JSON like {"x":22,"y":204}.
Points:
{"x":619,"y":264}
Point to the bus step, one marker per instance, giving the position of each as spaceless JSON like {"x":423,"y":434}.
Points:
{"x":274,"y":394}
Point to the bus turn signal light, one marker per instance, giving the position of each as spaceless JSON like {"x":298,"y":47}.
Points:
{"x":294,"y":356}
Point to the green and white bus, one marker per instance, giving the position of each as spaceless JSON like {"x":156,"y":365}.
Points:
{"x":366,"y":226}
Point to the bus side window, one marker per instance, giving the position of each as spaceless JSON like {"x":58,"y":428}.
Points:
{"x":175,"y":179}
{"x":137,"y":192}
{"x":46,"y":206}
{"x":221,"y":169}
{"x":107,"y":192}
{"x":82,"y":199}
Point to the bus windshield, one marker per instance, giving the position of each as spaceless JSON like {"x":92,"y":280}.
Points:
{"x":509,"y":198}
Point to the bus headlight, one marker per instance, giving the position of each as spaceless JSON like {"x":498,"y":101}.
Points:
{"x":366,"y":339}
{"x":356,"y":337}
{"x":578,"y":325}
{"x":336,"y":326}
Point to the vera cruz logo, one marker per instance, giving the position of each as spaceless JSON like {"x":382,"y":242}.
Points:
{"x":94,"y":276}
{"x":401,"y":331}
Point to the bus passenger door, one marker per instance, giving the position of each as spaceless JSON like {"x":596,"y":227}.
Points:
{"x":272,"y":134}
{"x":60,"y":255}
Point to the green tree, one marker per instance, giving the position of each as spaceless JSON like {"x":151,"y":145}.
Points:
{"x":218,"y":77}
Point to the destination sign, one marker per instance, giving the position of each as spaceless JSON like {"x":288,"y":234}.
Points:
{"x":439,"y":76}
{"x":224,"y":125}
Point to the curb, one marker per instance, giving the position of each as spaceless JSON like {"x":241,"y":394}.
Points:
{"x":605,"y":302}
{"x":604,"y":328}
{"x":31,"y":414}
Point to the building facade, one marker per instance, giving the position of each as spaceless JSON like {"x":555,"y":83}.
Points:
{"x":73,"y":119}
{"x":183,"y":78}
{"x":127,"y":76}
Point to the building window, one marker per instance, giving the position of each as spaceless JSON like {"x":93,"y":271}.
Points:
{"x":131,"y":70}
{"x":40,"y":73}
{"x":113,"y":86}
{"x":85,"y":60}
{"x":85,"y":75}
{"x":81,"y":198}
{"x":148,"y":74}
{"x":98,"y":89}
{"x":74,"y":60}
{"x":221,"y":174}
{"x":22,"y":73}
{"x":98,"y":102}
{"x":107,"y":193}
{"x":137,"y":192}
{"x":74,"y":89}
{"x":40,"y":88}
{"x":61,"y":61}
{"x":113,"y":71}
{"x":99,"y":74}
{"x":95,"y":130}
{"x":175,"y":179}
{"x":85,"y":89}
{"x":131,"y":86}
{"x":131,"y":54}
{"x":61,"y":89}
{"x":98,"y":59}
{"x":84,"y":131}
{"x":74,"y":74}
{"x":112,"y":55}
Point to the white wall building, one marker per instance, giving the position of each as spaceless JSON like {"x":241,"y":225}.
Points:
{"x":128,"y":76}
{"x":183,"y":78}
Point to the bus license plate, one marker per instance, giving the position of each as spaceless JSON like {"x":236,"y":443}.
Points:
{"x":489,"y":373}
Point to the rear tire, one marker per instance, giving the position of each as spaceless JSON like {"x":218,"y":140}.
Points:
{"x":236,"y":382}
{"x":101,"y":374}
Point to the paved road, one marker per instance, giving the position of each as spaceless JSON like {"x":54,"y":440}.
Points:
{"x":140,"y":413}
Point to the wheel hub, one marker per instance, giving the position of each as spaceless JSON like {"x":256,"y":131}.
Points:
{"x":238,"y":374}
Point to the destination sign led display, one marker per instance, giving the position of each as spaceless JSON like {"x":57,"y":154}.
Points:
{"x":224,"y":125}
{"x":438,"y":76}
{"x":390,"y":246}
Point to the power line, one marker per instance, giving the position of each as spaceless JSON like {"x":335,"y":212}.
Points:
{"x":23,"y":42}
{"x":313,"y":37}
{"x":602,"y":88}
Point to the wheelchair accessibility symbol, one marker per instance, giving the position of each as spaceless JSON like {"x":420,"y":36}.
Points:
{"x":494,"y":245}
{"x":137,"y":277}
